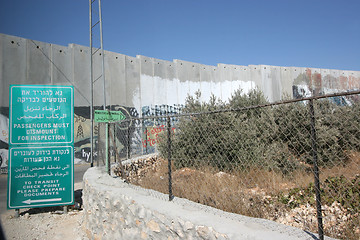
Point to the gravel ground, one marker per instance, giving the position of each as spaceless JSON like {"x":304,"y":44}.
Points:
{"x":45,"y":223}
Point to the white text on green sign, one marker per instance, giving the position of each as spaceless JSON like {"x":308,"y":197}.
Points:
{"x":108,"y":116}
{"x":41,"y":114}
{"x":40,"y":176}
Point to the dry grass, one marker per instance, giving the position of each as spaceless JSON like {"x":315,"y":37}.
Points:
{"x":252,"y":193}
{"x":248,"y":193}
{"x":350,"y":169}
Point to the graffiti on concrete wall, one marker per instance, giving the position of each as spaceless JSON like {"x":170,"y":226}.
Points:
{"x":152,"y":128}
{"x":152,"y":135}
{"x":82,"y":125}
{"x":82,"y":128}
{"x":4,"y":139}
{"x":138,"y":136}
{"x":314,"y":84}
{"x":158,"y":111}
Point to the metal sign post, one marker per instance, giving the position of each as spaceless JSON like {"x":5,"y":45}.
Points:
{"x":95,"y":23}
{"x":107,"y":117}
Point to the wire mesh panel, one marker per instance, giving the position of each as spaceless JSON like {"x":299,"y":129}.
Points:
{"x":296,"y":163}
{"x":338,"y":144}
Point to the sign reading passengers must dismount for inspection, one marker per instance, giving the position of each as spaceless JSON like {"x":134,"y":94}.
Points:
{"x":41,"y":150}
{"x":41,"y":114}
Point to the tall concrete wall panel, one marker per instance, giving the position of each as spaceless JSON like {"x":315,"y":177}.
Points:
{"x":329,"y":79}
{"x":80,"y":74}
{"x":286,"y":73}
{"x":354,"y":81}
{"x":188,"y":74}
{"x":209,"y":84}
{"x":315,"y":80}
{"x":235,"y":79}
{"x":145,"y":86}
{"x":163,"y":84}
{"x":301,"y":83}
{"x":343,"y":80}
{"x":256,"y":77}
{"x":172,"y":84}
{"x":270,"y":82}
{"x":99,"y":94}
{"x":61,"y":66}
{"x":14,"y":64}
{"x":167,"y":69}
{"x":351,"y":80}
{"x":226,"y":75}
{"x":147,"y":80}
{"x":132,"y":76}
{"x":144,"y":81}
{"x":247,"y":83}
{"x":2,"y":81}
{"x":115,"y":78}
{"x":38,"y":57}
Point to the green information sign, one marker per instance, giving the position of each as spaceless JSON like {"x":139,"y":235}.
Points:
{"x":108,"y":116}
{"x":41,"y":146}
{"x":40,"y":176}
{"x":41,"y":114}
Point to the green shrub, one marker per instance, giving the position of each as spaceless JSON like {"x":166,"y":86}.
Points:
{"x":343,"y":190}
{"x":276,"y":138}
{"x":294,"y":129}
{"x":340,"y":189}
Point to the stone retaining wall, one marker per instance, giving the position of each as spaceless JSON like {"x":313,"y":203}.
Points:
{"x":114,"y":209}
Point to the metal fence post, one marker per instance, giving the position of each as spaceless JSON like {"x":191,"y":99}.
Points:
{"x":171,"y":196}
{"x":316,"y":170}
{"x":143,"y":126}
{"x":128,"y":143}
{"x":108,"y":148}
{"x":98,"y":149}
{"x":114,"y":142}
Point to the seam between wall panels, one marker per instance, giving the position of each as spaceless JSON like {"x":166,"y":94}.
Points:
{"x":26,"y":60}
{"x":51,"y":64}
{"x":140,"y":89}
{"x":153,"y":80}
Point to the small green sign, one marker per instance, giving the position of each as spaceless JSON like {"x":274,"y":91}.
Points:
{"x":41,"y":114}
{"x":108,"y":116}
{"x":40,"y":176}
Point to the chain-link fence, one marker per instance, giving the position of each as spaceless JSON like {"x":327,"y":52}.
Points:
{"x":296,"y":162}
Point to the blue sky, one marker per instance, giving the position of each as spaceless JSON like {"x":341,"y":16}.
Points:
{"x":317,"y":33}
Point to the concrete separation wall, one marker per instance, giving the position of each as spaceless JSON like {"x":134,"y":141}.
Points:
{"x":144,"y":82}
{"x":114,"y":209}
{"x":144,"y":86}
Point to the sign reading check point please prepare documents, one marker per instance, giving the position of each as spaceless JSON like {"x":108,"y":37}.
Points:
{"x":41,"y":147}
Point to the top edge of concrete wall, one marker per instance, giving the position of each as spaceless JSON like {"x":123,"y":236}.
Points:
{"x":188,"y":62}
